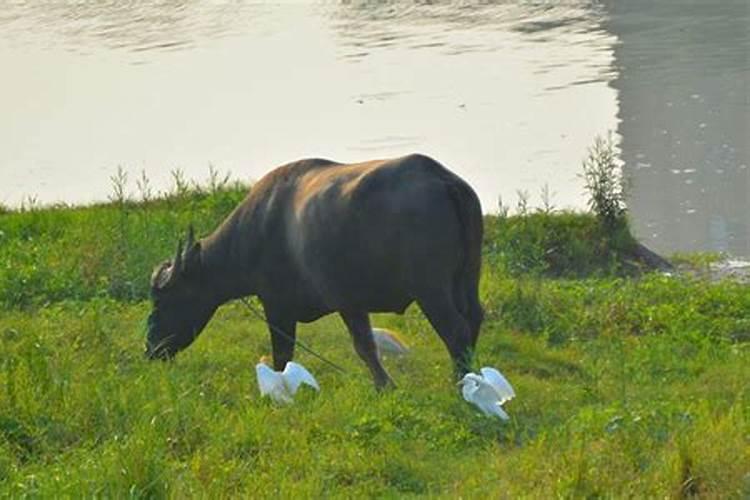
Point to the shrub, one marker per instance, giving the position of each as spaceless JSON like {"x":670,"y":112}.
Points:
{"x":604,"y":182}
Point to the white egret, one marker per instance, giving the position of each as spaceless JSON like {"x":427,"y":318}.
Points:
{"x":498,"y":382}
{"x":281,"y":386}
{"x":488,"y":391}
{"x":389,"y":342}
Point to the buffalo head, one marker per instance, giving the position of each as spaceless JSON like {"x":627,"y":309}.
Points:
{"x":182,"y":304}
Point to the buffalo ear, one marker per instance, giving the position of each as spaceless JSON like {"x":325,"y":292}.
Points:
{"x":191,"y":260}
{"x":190,"y":237}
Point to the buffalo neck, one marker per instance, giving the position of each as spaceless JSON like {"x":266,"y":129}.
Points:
{"x":226,"y":259}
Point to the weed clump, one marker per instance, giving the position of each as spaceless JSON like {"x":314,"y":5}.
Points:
{"x":604,"y":182}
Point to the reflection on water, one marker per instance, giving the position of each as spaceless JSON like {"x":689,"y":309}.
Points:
{"x":508,"y":94}
{"x":488,"y":89}
{"x":88,"y":27}
{"x":684,"y":109}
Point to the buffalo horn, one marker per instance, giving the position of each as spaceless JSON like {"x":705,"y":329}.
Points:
{"x":174,"y":269}
{"x":190,"y":239}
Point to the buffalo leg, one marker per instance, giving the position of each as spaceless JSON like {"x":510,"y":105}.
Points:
{"x":361,"y":331}
{"x":283,"y":335}
{"x":452,"y":327}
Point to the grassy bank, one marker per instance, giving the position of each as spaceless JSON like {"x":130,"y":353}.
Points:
{"x":629,"y":383}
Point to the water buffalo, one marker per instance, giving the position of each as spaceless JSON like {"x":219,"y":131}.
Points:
{"x":314,"y":237}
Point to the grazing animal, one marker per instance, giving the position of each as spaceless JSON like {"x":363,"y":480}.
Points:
{"x":488,"y":391}
{"x":282,"y":386}
{"x":315,"y":237}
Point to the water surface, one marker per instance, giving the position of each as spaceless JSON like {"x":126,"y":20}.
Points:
{"x":507,"y":94}
{"x":683,"y":86}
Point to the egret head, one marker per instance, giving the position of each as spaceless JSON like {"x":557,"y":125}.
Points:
{"x":470,"y":384}
{"x":266,"y":360}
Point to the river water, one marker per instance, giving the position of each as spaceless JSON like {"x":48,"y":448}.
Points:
{"x":507,"y":94}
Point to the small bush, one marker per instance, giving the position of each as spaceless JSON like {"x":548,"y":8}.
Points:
{"x":557,"y":244}
{"x":604,"y":182}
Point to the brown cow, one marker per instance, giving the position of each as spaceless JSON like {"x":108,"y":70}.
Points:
{"x":315,"y":237}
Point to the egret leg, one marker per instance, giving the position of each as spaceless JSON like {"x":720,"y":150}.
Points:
{"x":361,"y":331}
{"x":283,"y":335}
{"x":452,"y":327}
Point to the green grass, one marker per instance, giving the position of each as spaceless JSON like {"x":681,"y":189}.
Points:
{"x":629,"y":385}
{"x":51,"y":254}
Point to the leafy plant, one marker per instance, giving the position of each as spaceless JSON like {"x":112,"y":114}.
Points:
{"x":604,"y":182}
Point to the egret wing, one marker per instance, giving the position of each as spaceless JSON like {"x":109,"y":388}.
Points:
{"x":499,"y":383}
{"x":485,"y":398}
{"x":481,"y":394}
{"x":296,"y":374}
{"x":266,"y":378}
{"x":498,"y":411}
{"x":485,"y":394}
{"x":271,"y":384}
